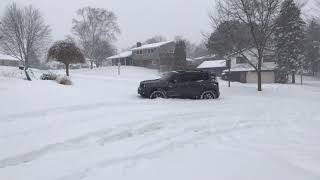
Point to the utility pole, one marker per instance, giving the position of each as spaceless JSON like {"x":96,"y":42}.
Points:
{"x":119,"y":68}
{"x":229,"y":72}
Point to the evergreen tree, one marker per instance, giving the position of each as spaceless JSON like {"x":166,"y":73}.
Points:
{"x":180,"y":56}
{"x":230,"y":37}
{"x":312,"y":43}
{"x":289,"y":36}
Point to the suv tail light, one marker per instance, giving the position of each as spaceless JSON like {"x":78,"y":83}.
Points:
{"x":213,"y":78}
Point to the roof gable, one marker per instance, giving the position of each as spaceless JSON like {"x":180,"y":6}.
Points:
{"x":154,"y":45}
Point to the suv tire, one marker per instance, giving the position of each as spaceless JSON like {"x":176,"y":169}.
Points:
{"x":158,"y":94}
{"x":208,"y":95}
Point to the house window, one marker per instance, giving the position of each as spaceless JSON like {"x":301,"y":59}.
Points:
{"x":154,"y":62}
{"x":268,"y":58}
{"x":139,"y":52}
{"x":151,"y":50}
{"x":241,"y":60}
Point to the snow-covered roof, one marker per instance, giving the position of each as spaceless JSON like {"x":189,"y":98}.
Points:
{"x":7,"y":57}
{"x":213,"y":64}
{"x":121,"y":55}
{"x":154,"y":45}
{"x":248,"y":67}
{"x":205,"y":57}
{"x":189,"y":59}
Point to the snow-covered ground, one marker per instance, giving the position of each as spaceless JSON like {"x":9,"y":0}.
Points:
{"x":100,"y":129}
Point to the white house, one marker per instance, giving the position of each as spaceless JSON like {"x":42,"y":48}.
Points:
{"x":215,"y":66}
{"x":6,"y":60}
{"x":242,"y":71}
{"x":125,"y":58}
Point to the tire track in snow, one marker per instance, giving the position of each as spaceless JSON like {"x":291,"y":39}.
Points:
{"x":170,"y":143}
{"x":141,"y":127}
{"x":69,"y":144}
{"x":102,"y":138}
{"x":64,"y":109}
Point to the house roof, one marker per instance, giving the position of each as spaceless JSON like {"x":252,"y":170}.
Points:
{"x":154,"y":45}
{"x":205,"y":57}
{"x":213,"y":64}
{"x":121,"y":55}
{"x":189,"y":59}
{"x":248,"y":67}
{"x":8,"y":58}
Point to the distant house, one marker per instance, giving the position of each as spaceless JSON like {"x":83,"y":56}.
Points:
{"x":58,"y":65}
{"x":55,"y":65}
{"x":216,"y":66}
{"x":242,"y":71}
{"x":124,"y":58}
{"x":198,"y":60}
{"x":6,"y":60}
{"x":157,"y":56}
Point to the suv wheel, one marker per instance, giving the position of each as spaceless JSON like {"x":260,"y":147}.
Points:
{"x":208,"y":95}
{"x":157,"y":94}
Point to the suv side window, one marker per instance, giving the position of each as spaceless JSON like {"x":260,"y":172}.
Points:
{"x":193,"y":77}
{"x":183,"y":78}
{"x":203,"y":77}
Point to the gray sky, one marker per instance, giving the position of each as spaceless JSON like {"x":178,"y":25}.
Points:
{"x":138,"y":19}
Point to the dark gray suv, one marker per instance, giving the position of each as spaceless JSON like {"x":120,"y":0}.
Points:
{"x":182,"y":84}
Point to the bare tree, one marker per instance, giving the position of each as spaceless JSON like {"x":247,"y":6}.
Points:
{"x":104,"y":49}
{"x":24,"y":33}
{"x":259,"y":16}
{"x":93,"y":25}
{"x":155,"y":39}
{"x":65,"y":52}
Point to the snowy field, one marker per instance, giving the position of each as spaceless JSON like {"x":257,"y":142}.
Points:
{"x":100,"y":129}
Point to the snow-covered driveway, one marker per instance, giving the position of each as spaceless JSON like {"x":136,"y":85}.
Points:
{"x":100,"y":129}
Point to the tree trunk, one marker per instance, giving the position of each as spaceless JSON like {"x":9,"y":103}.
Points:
{"x":91,"y":64}
{"x":26,"y":67}
{"x":259,"y":81}
{"x":67,"y":69}
{"x":313,"y":70}
{"x":229,"y":73}
{"x":27,"y":74}
{"x":259,"y":72}
{"x":293,"y":77}
{"x":301,"y":79}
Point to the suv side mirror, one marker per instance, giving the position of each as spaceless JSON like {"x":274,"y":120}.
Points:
{"x":173,"y":81}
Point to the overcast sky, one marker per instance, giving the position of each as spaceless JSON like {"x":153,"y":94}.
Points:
{"x":138,"y":19}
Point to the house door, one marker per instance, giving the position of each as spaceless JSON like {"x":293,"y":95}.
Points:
{"x":243,"y":77}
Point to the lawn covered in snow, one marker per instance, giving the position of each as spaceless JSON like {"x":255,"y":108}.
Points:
{"x":99,"y":128}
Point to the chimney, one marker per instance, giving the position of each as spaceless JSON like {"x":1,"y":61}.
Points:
{"x":139,"y":44}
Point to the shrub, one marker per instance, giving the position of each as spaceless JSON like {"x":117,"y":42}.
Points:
{"x":64,"y":80}
{"x":48,"y":76}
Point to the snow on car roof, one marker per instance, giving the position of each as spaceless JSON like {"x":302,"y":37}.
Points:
{"x":154,"y":45}
{"x":7,"y":57}
{"x":121,"y":55}
{"x":212,"y":64}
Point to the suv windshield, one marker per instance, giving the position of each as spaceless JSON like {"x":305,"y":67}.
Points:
{"x":168,"y":76}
